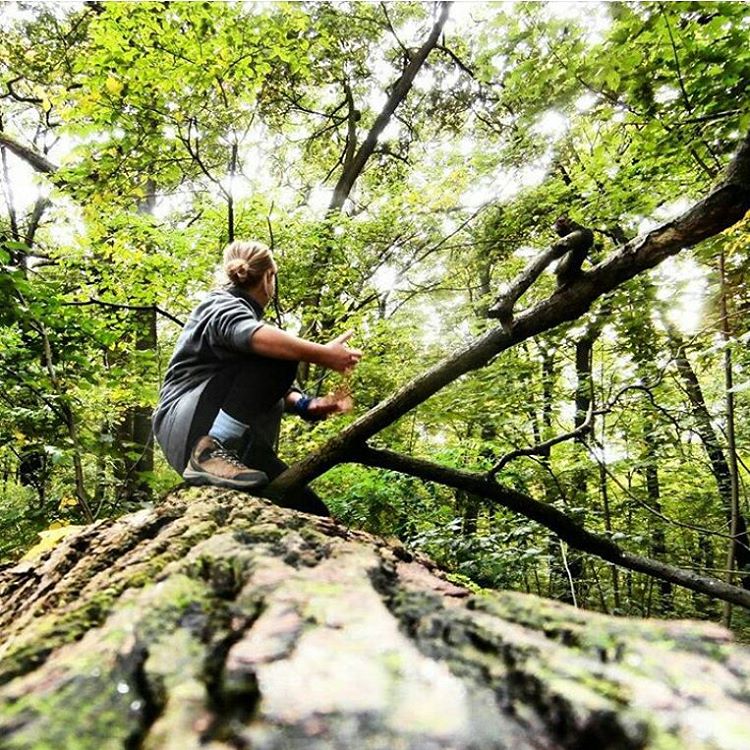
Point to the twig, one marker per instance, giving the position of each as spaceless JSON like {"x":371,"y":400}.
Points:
{"x":120,"y":306}
{"x":541,"y":448}
{"x":570,"y":575}
{"x":657,"y":513}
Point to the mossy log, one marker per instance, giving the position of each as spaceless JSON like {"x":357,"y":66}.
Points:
{"x":218,"y":620}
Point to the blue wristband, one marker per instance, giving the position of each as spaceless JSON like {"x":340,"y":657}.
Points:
{"x":302,"y":408}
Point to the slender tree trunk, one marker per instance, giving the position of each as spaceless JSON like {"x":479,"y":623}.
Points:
{"x":731,"y":446}
{"x":557,"y":581}
{"x":712,"y":444}
{"x":142,"y":429}
{"x":574,"y":564}
{"x":704,"y":605}
{"x":82,"y":495}
{"x":607,"y":511}
{"x":134,"y":432}
{"x":9,"y":200}
{"x":468,"y":506}
{"x":658,"y":533}
{"x":230,"y":192}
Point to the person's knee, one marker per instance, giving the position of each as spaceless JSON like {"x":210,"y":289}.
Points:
{"x":276,"y":370}
{"x":288,"y":369}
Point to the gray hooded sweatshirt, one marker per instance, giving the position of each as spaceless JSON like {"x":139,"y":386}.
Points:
{"x":217,"y":333}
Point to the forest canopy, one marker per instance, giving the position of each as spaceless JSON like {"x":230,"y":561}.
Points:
{"x":408,"y":163}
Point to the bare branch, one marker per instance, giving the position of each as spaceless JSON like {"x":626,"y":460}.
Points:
{"x":40,"y":206}
{"x":503,"y":307}
{"x":552,"y":519}
{"x":541,"y":448}
{"x":36,"y":160}
{"x":659,"y":514}
{"x":401,"y":88}
{"x":13,"y":94}
{"x":676,"y":57}
{"x":456,"y":59}
{"x":388,"y":22}
{"x":118,"y":306}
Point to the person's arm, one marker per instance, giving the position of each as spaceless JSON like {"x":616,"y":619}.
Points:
{"x":277,"y":344}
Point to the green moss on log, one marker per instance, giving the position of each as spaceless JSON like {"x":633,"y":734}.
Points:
{"x":219,"y":620}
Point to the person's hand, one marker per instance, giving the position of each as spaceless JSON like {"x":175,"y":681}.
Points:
{"x":340,"y":357}
{"x":338,"y":402}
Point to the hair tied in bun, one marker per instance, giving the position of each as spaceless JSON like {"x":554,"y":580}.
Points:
{"x":245,"y":262}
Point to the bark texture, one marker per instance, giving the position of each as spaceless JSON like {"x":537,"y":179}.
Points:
{"x":218,"y":620}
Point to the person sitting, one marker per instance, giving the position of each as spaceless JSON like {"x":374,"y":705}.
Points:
{"x":231,"y":377}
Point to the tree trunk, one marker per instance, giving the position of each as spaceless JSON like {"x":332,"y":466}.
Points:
{"x":142,"y":438}
{"x":719,"y":465}
{"x":468,"y":506}
{"x":734,"y":515}
{"x":606,"y":510}
{"x":658,"y":532}
{"x":135,"y":429}
{"x":219,"y":620}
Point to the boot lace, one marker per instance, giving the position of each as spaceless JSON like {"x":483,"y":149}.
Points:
{"x":229,"y":456}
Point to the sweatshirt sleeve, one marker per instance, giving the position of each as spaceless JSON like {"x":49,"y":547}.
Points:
{"x":232,"y":325}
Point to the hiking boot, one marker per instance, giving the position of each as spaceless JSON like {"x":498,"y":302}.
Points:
{"x":212,"y":463}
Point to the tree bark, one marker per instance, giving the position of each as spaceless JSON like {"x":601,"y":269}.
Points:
{"x":140,"y":489}
{"x":134,"y":431}
{"x":712,"y":445}
{"x":33,"y":158}
{"x":658,"y":531}
{"x":217,"y":620}
{"x":734,"y":515}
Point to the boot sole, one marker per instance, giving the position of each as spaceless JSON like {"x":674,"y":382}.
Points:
{"x":200,"y":479}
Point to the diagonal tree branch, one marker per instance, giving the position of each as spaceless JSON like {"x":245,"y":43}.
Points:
{"x":723,"y":207}
{"x":551,"y":518}
{"x":37,"y":212}
{"x":398,"y":94}
{"x":36,"y":160}
{"x":502,"y":309}
{"x":120,"y":306}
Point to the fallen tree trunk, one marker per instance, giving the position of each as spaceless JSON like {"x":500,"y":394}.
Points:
{"x":723,"y":207}
{"x":219,"y":620}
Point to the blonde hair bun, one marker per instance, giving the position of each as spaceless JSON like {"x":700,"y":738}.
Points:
{"x":245,"y":262}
